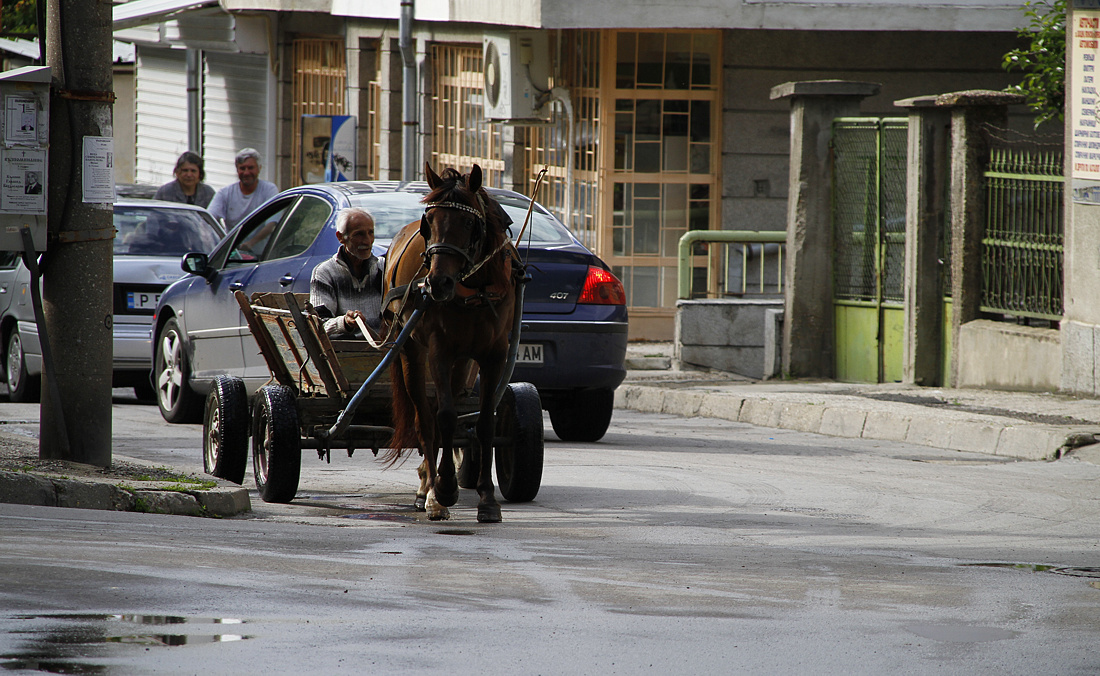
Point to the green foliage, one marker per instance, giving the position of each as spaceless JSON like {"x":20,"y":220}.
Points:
{"x":1042,"y":60}
{"x":19,"y":16}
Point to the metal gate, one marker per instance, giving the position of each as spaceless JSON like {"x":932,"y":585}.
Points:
{"x":869,"y":165}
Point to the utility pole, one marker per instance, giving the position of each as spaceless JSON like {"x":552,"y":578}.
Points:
{"x":77,"y":278}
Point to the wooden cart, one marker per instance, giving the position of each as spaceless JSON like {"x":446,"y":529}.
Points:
{"x":326,"y":394}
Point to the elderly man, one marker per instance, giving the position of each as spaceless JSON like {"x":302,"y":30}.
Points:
{"x":237,"y":200}
{"x":349,"y":285}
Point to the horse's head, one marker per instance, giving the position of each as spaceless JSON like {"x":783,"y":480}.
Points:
{"x":453,"y":227}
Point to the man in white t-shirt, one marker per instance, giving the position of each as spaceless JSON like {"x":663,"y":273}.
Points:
{"x":235,"y":201}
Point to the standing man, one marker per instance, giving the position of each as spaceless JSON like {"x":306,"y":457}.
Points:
{"x":349,"y":285}
{"x":236,"y":200}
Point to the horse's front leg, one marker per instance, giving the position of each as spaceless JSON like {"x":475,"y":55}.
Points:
{"x":446,"y":482}
{"x":488,"y":509}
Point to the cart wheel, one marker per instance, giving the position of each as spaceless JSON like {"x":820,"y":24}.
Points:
{"x":467,"y":468}
{"x":225,"y":429}
{"x":276,"y":444}
{"x":519,"y":448}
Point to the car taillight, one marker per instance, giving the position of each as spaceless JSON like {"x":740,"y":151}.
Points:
{"x":602,"y":288}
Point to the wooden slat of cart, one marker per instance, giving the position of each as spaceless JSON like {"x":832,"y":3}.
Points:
{"x":316,"y":343}
{"x":264,"y":339}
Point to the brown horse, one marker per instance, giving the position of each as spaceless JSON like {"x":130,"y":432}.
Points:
{"x":460,"y":253}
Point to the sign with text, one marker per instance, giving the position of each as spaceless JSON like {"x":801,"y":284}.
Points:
{"x":1083,"y":38}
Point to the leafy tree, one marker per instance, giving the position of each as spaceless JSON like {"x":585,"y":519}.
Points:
{"x":19,"y":18}
{"x":1043,"y":60}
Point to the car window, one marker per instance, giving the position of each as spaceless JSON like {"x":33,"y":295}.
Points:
{"x":299,"y":228}
{"x":253,"y":235}
{"x":391,"y":211}
{"x":9,"y":259}
{"x":162,"y":231}
{"x":543,"y":229}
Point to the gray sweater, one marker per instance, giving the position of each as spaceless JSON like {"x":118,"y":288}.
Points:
{"x":334,"y":289}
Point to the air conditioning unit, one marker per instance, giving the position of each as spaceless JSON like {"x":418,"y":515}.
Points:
{"x":516,"y":76}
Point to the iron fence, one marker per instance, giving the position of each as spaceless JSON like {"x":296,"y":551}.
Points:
{"x":1022,"y":246}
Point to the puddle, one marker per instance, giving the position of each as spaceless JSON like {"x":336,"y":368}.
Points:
{"x":63,"y":643}
{"x":1072,"y":571}
{"x":960,"y":633}
{"x":379,"y":516}
{"x":454,"y":531}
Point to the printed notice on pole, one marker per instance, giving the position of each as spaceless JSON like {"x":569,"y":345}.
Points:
{"x":99,"y":169}
{"x":20,"y":120}
{"x":22,"y":173}
{"x":1084,"y":105}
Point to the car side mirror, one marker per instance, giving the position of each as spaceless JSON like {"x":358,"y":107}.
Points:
{"x":197,"y":263}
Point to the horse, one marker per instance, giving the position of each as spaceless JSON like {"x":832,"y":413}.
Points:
{"x":459,"y":251}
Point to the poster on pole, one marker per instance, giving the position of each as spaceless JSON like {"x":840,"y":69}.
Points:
{"x":98,"y":165}
{"x":22,"y":177}
{"x":1083,"y":101}
{"x":20,"y":120}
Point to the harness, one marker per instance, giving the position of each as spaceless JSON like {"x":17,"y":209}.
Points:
{"x":466,"y":254}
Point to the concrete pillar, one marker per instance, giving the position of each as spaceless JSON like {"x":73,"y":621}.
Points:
{"x":808,"y":340}
{"x":925,"y":211}
{"x":971,"y":111}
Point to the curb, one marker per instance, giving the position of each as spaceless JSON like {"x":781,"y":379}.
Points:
{"x":843,"y":416}
{"x":23,"y":488}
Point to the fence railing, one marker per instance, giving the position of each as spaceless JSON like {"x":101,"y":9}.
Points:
{"x":729,"y":271}
{"x":1022,"y":248}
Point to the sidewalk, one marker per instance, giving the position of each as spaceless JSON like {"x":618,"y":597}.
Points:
{"x":1026,"y":426}
{"x":130,"y":484}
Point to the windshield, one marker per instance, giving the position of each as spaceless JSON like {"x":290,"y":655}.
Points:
{"x":393,"y":211}
{"x":163,"y":231}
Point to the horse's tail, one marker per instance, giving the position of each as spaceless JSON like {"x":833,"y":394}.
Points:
{"x":404,"y":418}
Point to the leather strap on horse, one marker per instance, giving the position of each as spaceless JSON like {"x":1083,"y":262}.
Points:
{"x":507,"y":240}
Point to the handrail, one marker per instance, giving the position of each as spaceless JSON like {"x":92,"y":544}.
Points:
{"x":721,"y":237}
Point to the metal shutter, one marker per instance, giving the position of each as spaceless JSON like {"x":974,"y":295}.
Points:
{"x":160,"y":113}
{"x":236,"y":114}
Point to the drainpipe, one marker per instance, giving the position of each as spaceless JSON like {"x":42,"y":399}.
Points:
{"x":194,"y":101}
{"x":410,"y":128}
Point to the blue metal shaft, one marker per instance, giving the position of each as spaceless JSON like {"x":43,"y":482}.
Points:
{"x":348,"y":413}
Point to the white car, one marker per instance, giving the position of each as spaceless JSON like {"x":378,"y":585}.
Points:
{"x":151,"y":238}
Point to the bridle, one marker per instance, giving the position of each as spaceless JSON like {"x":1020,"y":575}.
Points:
{"x":469,"y":253}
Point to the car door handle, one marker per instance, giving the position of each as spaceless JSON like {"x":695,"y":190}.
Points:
{"x":286,"y":280}
{"x":235,"y":286}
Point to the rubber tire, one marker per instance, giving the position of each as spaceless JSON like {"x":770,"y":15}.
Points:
{"x":225,"y":429}
{"x":519,"y":443}
{"x":177,"y":402}
{"x":27,"y":388}
{"x":586,"y":417}
{"x":276,"y":444}
{"x":466,"y":469}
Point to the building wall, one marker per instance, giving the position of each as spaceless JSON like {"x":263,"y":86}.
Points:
{"x":757,"y":130}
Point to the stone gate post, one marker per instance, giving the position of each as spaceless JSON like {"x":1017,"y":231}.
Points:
{"x":808,"y":340}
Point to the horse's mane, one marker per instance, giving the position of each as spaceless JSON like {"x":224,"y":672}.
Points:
{"x":455,"y":188}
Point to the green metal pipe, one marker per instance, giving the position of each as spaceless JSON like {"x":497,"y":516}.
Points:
{"x":721,"y":237}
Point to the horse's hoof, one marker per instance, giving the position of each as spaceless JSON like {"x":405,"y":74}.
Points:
{"x":436,"y":511}
{"x":488,"y":514}
{"x":418,"y":504}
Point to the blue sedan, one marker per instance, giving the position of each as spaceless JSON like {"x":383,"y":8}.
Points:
{"x":574,"y":331}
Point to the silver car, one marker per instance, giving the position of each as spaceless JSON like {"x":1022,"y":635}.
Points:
{"x":150,"y":239}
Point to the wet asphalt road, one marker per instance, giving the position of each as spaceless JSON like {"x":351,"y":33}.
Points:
{"x":673,"y":546}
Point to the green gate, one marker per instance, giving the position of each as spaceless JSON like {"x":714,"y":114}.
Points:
{"x":869,"y":163}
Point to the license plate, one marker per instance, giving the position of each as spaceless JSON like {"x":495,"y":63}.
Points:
{"x":529,"y":353}
{"x":142,"y":300}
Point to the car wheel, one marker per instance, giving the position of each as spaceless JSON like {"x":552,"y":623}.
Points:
{"x":276,"y":444}
{"x":178,"y":403}
{"x":22,"y":387}
{"x":519,"y":443}
{"x":586,"y":416}
{"x":225,"y":429}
